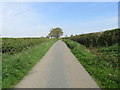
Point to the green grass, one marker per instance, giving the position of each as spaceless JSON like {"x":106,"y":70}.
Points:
{"x":17,"y":45}
{"x":15,"y":67}
{"x":102,"y":67}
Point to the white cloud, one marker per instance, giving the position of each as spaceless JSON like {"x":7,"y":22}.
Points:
{"x":92,"y":26}
{"x":104,"y":24}
{"x":19,"y":20}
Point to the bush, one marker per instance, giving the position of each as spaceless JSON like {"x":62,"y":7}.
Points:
{"x":99,"y":39}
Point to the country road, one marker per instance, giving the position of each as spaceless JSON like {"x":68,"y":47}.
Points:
{"x":58,"y":69}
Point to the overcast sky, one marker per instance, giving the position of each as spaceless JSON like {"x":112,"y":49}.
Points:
{"x":34,"y":19}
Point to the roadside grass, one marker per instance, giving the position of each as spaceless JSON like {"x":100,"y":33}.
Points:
{"x":15,"y":67}
{"x":101,"y":63}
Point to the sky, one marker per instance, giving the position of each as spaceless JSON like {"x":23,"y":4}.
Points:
{"x":60,"y":0}
{"x":35,"y":19}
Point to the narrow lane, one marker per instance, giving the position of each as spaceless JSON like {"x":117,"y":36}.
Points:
{"x":58,"y":69}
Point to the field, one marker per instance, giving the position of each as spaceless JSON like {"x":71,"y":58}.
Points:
{"x":99,"y":53}
{"x":16,"y":45}
{"x":101,"y":63}
{"x":20,"y":55}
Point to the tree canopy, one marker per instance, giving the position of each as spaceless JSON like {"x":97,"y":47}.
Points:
{"x":55,"y":32}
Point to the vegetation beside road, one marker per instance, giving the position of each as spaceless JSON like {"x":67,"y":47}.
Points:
{"x":16,"y":45}
{"x":18,"y":62}
{"x":98,"y":39}
{"x":101,"y":63}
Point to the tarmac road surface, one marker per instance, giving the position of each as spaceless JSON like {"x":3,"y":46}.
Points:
{"x":58,"y":69}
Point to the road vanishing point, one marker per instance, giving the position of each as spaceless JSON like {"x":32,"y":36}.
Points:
{"x":59,"y":68}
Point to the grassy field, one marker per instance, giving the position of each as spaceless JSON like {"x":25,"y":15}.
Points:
{"x":17,"y":64}
{"x":16,"y":45}
{"x":101,"y":63}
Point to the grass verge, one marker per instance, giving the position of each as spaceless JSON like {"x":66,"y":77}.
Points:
{"x":15,"y":67}
{"x":103,"y":69}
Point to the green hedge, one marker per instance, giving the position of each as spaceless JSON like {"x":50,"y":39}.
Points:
{"x":106,"y":38}
{"x":16,"y":45}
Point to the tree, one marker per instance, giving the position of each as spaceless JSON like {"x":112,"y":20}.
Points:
{"x":55,"y":32}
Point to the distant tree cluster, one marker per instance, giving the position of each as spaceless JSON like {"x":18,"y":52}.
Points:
{"x":55,"y":33}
